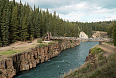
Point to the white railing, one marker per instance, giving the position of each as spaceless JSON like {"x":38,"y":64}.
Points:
{"x":86,"y":39}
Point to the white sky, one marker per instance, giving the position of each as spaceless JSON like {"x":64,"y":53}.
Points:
{"x":78,"y":10}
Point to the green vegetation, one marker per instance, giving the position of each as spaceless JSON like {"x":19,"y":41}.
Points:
{"x":39,"y":41}
{"x":50,"y":43}
{"x":109,"y":43}
{"x":9,"y":52}
{"x":101,"y":68}
{"x":71,"y":41}
{"x":96,"y":50}
{"x":41,"y":45}
{"x":20,"y":22}
{"x":58,"y":40}
{"x":1,"y":72}
{"x":112,"y":31}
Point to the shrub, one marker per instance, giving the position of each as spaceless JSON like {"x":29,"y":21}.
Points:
{"x":39,"y":41}
{"x":100,"y":57}
{"x":1,"y":72}
{"x":71,"y":41}
{"x":96,"y":50}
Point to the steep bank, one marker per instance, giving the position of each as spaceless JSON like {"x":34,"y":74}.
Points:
{"x":27,"y":60}
{"x":97,"y":65}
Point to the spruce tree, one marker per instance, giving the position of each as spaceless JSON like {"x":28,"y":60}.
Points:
{"x":30,"y":26}
{"x":37,"y":26}
{"x":114,"y":32}
{"x":14,"y":24}
{"x":24,"y":31}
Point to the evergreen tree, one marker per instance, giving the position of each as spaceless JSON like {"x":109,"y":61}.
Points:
{"x":37,"y":26}
{"x":114,"y":32}
{"x":24,"y":31}
{"x":5,"y":24}
{"x":14,"y":25}
{"x":30,"y":26}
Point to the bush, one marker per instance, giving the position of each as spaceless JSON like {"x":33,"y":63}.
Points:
{"x":39,"y":41}
{"x":71,"y":41}
{"x":100,"y":57}
{"x":96,"y":50}
{"x":1,"y":72}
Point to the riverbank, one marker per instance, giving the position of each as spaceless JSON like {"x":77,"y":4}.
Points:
{"x":27,"y":60}
{"x":99,"y":64}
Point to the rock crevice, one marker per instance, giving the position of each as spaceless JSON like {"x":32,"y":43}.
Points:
{"x":28,"y":60}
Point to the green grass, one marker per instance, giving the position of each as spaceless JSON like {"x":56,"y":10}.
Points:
{"x":102,"y":68}
{"x":9,"y":52}
{"x":96,"y":50}
{"x":50,"y":43}
{"x":41,"y":45}
{"x":58,"y":40}
{"x":109,"y":43}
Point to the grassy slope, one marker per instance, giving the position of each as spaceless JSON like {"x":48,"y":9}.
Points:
{"x":101,"y":68}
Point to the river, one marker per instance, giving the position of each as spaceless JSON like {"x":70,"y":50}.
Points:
{"x":63,"y":63}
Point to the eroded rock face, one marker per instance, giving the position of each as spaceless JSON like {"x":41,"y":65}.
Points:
{"x":7,"y":69}
{"x":27,"y":60}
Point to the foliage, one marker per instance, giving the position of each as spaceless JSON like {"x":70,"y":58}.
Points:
{"x":100,"y":57}
{"x":39,"y":41}
{"x":71,"y":41}
{"x":20,"y":22}
{"x":96,"y":50}
{"x":114,"y":32}
{"x":1,"y":72}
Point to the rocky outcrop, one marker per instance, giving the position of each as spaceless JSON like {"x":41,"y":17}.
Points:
{"x":27,"y":60}
{"x":90,"y":57}
{"x":83,"y":35}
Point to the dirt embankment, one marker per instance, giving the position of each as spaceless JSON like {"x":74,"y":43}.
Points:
{"x":109,"y":49}
{"x":99,"y":34}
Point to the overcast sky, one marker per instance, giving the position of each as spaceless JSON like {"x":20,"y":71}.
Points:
{"x":78,"y":10}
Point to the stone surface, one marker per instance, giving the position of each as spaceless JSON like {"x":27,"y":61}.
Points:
{"x":28,"y":60}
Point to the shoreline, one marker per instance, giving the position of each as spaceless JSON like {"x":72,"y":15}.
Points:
{"x":27,"y":60}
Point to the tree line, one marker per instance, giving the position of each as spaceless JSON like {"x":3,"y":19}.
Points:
{"x":112,"y":31}
{"x":20,"y":22}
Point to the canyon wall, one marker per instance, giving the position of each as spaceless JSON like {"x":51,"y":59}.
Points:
{"x":27,"y":60}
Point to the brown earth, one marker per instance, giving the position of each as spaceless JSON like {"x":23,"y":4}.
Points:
{"x":19,"y":45}
{"x":109,"y":49}
{"x":99,"y":34}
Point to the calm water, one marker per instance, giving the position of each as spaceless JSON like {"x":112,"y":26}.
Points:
{"x":67,"y":60}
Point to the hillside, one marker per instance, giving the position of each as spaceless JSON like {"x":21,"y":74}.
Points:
{"x":99,"y":34}
{"x":101,"y":65}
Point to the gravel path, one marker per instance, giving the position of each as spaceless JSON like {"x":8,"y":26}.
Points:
{"x":109,"y":49}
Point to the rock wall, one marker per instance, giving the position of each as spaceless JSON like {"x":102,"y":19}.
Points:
{"x":27,"y":60}
{"x":90,"y":57}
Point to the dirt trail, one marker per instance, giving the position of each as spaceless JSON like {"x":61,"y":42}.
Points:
{"x":109,"y":49}
{"x":19,"y":45}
